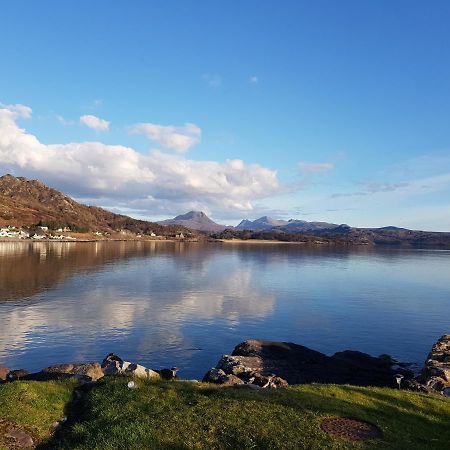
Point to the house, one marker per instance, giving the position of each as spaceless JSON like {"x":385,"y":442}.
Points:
{"x":152,"y":234}
{"x":44,"y":228}
{"x":179,"y":236}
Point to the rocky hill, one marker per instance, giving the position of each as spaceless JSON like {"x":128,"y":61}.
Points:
{"x":266,"y":223}
{"x":195,"y":220}
{"x":26,"y":202}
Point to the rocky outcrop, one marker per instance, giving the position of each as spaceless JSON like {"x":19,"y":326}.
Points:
{"x":114,"y":365}
{"x":436,"y":372}
{"x":275,"y":364}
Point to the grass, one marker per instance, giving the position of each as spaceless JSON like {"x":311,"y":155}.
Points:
{"x":33,"y":406}
{"x":176,"y":415}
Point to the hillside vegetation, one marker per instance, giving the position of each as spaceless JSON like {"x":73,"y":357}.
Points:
{"x":29,"y":202}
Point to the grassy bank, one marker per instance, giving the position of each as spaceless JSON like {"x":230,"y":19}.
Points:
{"x":177,"y":415}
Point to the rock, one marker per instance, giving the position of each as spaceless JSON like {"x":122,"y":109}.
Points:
{"x":278,"y":364}
{"x":17,"y":374}
{"x":110,"y":358}
{"x":92,"y":370}
{"x":21,"y":438}
{"x":214,"y":376}
{"x":218,"y":376}
{"x":139,"y":371}
{"x":4,"y":373}
{"x":168,"y":374}
{"x":436,"y":372}
{"x":85,"y":372}
{"x":113,"y":365}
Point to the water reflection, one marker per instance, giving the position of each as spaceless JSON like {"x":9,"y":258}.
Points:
{"x":185,"y":304}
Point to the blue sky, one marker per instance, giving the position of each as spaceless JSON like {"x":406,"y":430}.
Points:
{"x":335,"y":111}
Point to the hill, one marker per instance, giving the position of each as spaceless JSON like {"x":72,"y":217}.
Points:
{"x":266,"y":223}
{"x":25,"y":202}
{"x":195,"y":220}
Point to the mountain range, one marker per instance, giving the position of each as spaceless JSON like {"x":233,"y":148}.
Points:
{"x":25,"y":202}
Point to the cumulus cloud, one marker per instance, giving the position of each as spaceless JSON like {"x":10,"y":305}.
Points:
{"x":180,"y":139}
{"x":116,"y":174}
{"x":94,"y":122}
{"x":311,"y":167}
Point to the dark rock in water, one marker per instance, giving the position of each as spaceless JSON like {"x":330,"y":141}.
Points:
{"x":17,"y":374}
{"x":277,"y":364}
{"x":4,"y":373}
{"x":436,"y":372}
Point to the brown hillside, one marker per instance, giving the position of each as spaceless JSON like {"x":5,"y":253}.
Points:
{"x":28,"y":202}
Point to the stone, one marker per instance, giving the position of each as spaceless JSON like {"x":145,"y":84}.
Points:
{"x":168,"y":374}
{"x":270,"y":364}
{"x":91,"y":370}
{"x":86,"y":372}
{"x":21,"y":438}
{"x":113,"y":365}
{"x":214,"y":375}
{"x":4,"y":373}
{"x":17,"y":374}
{"x":110,"y":358}
{"x":436,"y":371}
{"x":136,"y":370}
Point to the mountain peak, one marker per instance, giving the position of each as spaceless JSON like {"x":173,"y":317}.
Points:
{"x":196,"y":220}
{"x":192,"y":215}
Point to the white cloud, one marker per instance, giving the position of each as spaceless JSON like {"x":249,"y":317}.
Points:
{"x":311,"y":167}
{"x":180,"y":139}
{"x":253,"y":79}
{"x":64,"y":121}
{"x":94,"y":122}
{"x":213,"y":79}
{"x":17,"y":110}
{"x":121,"y":176}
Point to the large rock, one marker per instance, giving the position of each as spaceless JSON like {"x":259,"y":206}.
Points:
{"x":436,"y":372}
{"x":91,"y":371}
{"x":4,"y":373}
{"x":276,"y":364}
{"x":114,"y":365}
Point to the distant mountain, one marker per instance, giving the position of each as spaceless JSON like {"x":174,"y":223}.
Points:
{"x":29,"y":202}
{"x":289,"y":226}
{"x":195,"y":220}
{"x":263,"y":223}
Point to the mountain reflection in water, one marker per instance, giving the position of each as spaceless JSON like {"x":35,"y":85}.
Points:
{"x":164,"y":303}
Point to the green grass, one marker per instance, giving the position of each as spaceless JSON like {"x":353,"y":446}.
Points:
{"x":33,"y":406}
{"x":176,"y":415}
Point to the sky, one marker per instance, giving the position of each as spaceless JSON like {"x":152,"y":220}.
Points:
{"x":321,"y":111}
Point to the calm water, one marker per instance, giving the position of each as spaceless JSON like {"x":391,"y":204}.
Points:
{"x":165,"y":304}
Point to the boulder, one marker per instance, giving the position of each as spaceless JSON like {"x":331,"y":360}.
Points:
{"x":85,"y":372}
{"x":113,"y":365}
{"x":270,"y":364}
{"x":436,"y":371}
{"x":4,"y":373}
